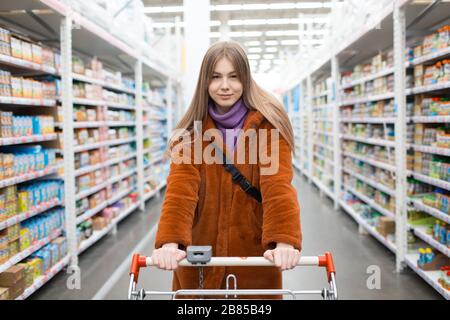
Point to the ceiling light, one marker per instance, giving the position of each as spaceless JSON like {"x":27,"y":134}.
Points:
{"x":271,"y":43}
{"x":272,"y":49}
{"x":255,"y":50}
{"x":253,"y":43}
{"x":165,"y":9}
{"x":269,"y":56}
{"x":254,"y":56}
{"x":289,"y":42}
{"x":248,"y":7}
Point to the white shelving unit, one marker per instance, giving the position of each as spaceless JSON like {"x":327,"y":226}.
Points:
{"x":358,"y":108}
{"x":115,"y":55}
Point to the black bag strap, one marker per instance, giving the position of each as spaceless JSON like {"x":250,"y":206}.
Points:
{"x":240,"y":179}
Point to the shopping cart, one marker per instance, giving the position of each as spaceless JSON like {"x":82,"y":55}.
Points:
{"x":202,"y":258}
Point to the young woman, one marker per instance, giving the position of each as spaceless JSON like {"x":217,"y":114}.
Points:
{"x":203,"y":206}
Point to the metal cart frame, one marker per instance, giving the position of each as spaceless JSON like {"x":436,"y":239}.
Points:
{"x":324,"y":261}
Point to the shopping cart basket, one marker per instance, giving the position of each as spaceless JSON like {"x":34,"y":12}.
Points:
{"x":139,"y":261}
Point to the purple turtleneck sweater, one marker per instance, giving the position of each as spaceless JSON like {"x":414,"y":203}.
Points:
{"x":229,"y":123}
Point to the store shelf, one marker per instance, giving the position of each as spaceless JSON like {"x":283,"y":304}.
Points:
{"x":120,"y":123}
{"x":377,"y":142}
{"x":88,"y":102}
{"x":29,"y":176}
{"x":126,"y":213}
{"x":153,"y":162}
{"x":371,"y":183}
{"x":33,"y":212}
{"x":154,"y":192}
{"x":29,"y":139}
{"x":321,"y":94}
{"x":87,"y":147}
{"x":368,"y":120}
{"x":431,"y":211}
{"x":118,"y":105}
{"x":39,"y":282}
{"x":28,"y":102}
{"x":83,"y":78}
{"x":322,"y":187}
{"x":380,"y":97}
{"x":30,"y":250}
{"x":156,"y":118}
{"x":368,"y":78}
{"x":429,"y":88}
{"x":93,"y":124}
{"x":323,"y":106}
{"x":431,"y":277}
{"x":97,"y":235}
{"x":370,"y":229}
{"x":431,"y":57}
{"x":375,"y":163}
{"x":321,"y":119}
{"x":84,"y":170}
{"x":430,"y":119}
{"x":87,"y":193}
{"x":90,"y":213}
{"x":121,"y":141}
{"x":122,"y":176}
{"x":435,"y":182}
{"x":422,"y":234}
{"x":24,"y":64}
{"x":323,"y":133}
{"x":121,"y":159}
{"x":370,"y":202}
{"x":120,"y":195}
{"x":325,"y":146}
{"x":328,"y":161}
{"x":431,"y":150}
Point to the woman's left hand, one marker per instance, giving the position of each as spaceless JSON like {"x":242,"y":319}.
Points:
{"x":284,"y":256}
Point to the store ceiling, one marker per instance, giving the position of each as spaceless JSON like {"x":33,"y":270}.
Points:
{"x":269,"y":34}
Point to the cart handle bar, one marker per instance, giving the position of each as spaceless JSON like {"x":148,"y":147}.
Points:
{"x":325,"y":261}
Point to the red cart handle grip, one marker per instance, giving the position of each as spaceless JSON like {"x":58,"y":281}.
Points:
{"x":327,"y":262}
{"x":137,"y":263}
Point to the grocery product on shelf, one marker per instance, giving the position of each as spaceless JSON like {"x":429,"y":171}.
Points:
{"x":434,"y":42}
{"x":19,"y":160}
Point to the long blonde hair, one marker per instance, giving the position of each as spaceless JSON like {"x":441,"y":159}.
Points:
{"x":255,"y":98}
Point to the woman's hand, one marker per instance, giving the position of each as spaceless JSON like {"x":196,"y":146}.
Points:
{"x":284,"y":256}
{"x":168,"y":256}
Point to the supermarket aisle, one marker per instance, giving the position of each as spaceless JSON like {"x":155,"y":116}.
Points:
{"x":324,"y":230}
{"x":99,"y":262}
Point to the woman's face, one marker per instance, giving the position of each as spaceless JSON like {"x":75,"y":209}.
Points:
{"x":225,"y":88}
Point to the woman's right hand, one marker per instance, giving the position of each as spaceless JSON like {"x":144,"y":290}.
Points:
{"x":168,"y":256}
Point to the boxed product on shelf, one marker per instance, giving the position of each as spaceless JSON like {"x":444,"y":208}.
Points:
{"x":120,"y":115}
{"x":77,"y":65}
{"x":14,"y":280}
{"x":122,"y":98}
{"x":26,"y":158}
{"x":431,"y":260}
{"x":97,"y":199}
{"x":16,"y":47}
{"x":5,"y":83}
{"x":4,"y":294}
{"x":433,"y":42}
{"x":85,"y":230}
{"x":87,"y":136}
{"x":90,"y":180}
{"x":98,"y":223}
{"x":5,"y":42}
{"x":386,"y":226}
{"x":82,"y":113}
{"x":42,"y":226}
